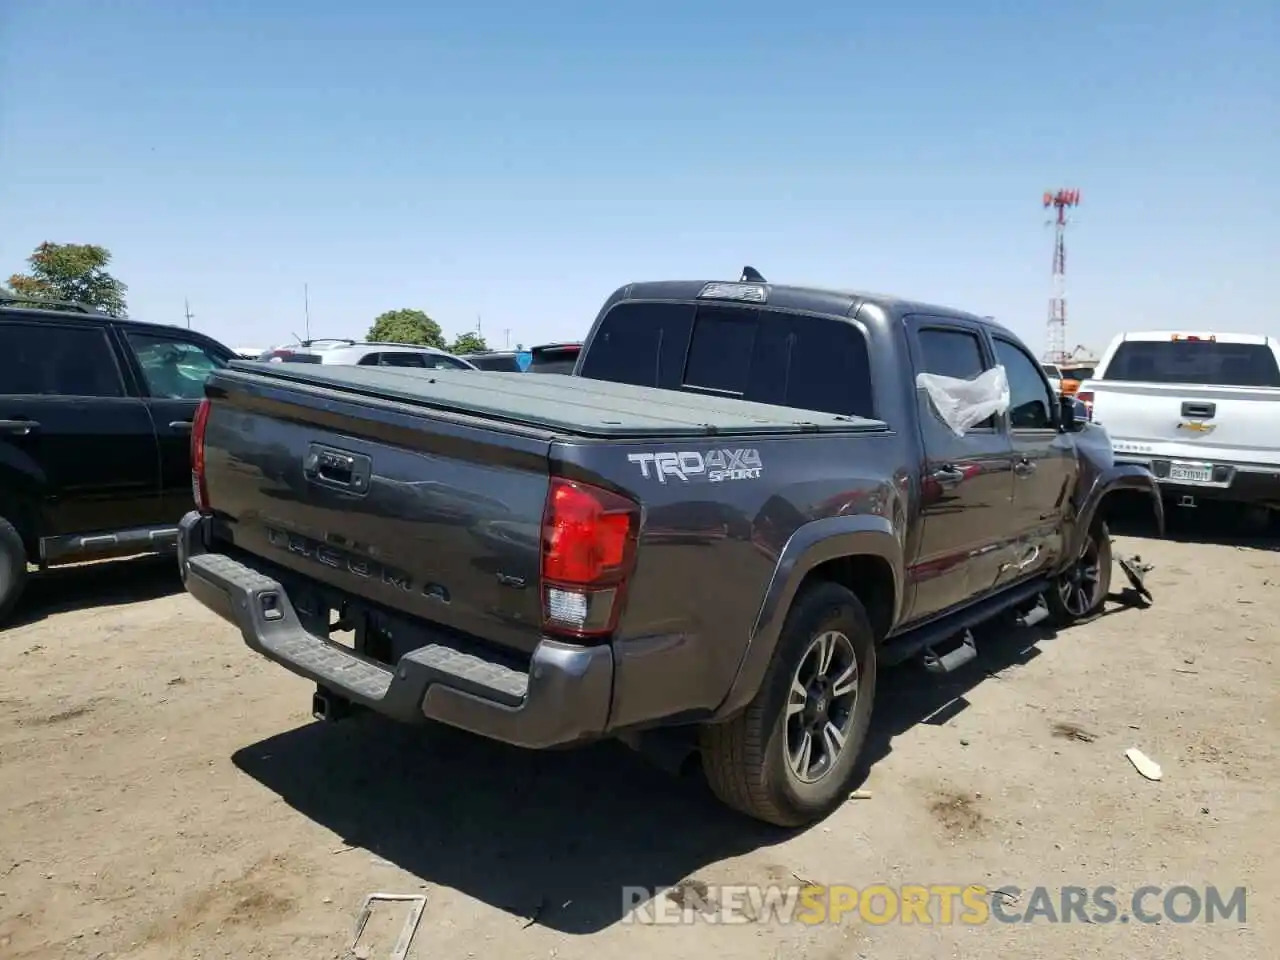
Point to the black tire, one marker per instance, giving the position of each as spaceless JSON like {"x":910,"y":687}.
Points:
{"x":13,"y":569}
{"x":1064,"y":597}
{"x":746,"y":758}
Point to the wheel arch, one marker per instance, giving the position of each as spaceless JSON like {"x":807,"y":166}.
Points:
{"x":859,"y":552}
{"x":1120,"y":478}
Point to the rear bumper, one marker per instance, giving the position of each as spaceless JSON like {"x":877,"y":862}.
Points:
{"x":563,"y":697}
{"x":1246,"y":483}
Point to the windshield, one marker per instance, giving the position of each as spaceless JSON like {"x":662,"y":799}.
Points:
{"x":1051,"y":371}
{"x":1194,"y":361}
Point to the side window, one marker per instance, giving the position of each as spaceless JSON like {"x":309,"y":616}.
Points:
{"x":720,"y":349}
{"x":440,"y":361}
{"x":49,"y":359}
{"x":830,"y":369}
{"x":173,"y":369}
{"x":391,"y":360}
{"x":953,"y":353}
{"x":813,"y":363}
{"x":1030,"y":402}
{"x":402,"y":360}
{"x":640,"y":343}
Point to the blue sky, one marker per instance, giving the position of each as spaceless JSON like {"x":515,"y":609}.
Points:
{"x":516,"y":162}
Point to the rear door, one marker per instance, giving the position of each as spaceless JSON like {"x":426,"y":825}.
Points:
{"x":172,"y":367}
{"x":1044,"y":460}
{"x":1204,"y":399}
{"x":68,"y":422}
{"x":969,"y":531}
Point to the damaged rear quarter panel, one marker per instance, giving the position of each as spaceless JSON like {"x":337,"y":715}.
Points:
{"x":717,"y":514}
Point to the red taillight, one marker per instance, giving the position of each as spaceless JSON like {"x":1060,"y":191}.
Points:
{"x":588,"y":552}
{"x":1086,"y":397}
{"x":198,"y":488}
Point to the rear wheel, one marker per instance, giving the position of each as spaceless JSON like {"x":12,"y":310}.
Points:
{"x":788,"y":758}
{"x":13,"y":568}
{"x":1081,"y":590}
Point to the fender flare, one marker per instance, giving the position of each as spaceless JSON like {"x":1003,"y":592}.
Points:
{"x":1121,"y":476}
{"x":814,"y":543}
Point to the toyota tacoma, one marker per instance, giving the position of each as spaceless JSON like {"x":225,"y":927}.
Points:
{"x":744,"y":501}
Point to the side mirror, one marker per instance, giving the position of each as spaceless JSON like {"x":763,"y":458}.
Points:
{"x":1072,"y":414}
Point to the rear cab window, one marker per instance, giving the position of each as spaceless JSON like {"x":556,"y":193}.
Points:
{"x":1199,"y":361}
{"x":752,"y":353}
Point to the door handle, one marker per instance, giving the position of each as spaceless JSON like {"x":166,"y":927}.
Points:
{"x":179,"y":424}
{"x":1199,"y":411}
{"x":948,"y":476}
{"x":18,"y":427}
{"x":1024,"y":467}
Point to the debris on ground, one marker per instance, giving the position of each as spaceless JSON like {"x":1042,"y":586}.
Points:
{"x":860,"y":795}
{"x":1136,"y":571}
{"x":1069,"y":731}
{"x":417,"y":903}
{"x":1144,"y":764}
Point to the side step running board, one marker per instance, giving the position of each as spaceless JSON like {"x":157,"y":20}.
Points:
{"x":955,"y":659}
{"x":938,"y":633}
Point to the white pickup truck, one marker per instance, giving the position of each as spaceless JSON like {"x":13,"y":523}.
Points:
{"x":1201,"y":410}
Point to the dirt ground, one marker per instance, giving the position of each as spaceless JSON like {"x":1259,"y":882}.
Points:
{"x":165,"y":794}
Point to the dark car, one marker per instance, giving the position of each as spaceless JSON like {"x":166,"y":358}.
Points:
{"x":554,"y":357}
{"x":95,"y":424}
{"x":747,"y":500}
{"x":504,"y":361}
{"x":545,"y":358}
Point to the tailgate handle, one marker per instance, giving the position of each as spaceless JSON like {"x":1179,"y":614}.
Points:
{"x":1200,"y":411}
{"x":340,"y":469}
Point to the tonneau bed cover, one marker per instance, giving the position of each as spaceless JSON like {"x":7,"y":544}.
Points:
{"x":561,"y":403}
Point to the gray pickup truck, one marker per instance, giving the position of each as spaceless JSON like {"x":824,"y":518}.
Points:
{"x":737,"y":508}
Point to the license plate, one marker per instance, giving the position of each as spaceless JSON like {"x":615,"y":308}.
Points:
{"x":1191,"y":472}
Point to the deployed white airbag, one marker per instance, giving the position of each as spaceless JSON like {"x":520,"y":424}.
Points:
{"x":963,"y":404}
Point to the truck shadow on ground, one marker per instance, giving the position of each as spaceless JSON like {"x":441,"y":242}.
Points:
{"x":555,"y":837}
{"x":909,"y":695}
{"x":102,"y":584}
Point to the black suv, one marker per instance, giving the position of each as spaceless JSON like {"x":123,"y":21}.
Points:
{"x":95,"y":423}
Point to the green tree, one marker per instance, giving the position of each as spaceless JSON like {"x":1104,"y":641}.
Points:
{"x":72,"y":271}
{"x":406,"y":326}
{"x":468,"y":342}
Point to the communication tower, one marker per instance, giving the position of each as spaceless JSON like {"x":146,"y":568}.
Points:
{"x":1060,"y":201}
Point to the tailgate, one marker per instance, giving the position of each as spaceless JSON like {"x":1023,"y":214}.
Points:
{"x":433,"y":515}
{"x":1234,"y":424}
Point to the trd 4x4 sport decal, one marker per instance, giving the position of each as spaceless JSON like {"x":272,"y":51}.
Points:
{"x":713,"y":466}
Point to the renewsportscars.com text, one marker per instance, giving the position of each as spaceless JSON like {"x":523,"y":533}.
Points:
{"x":940,"y":904}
